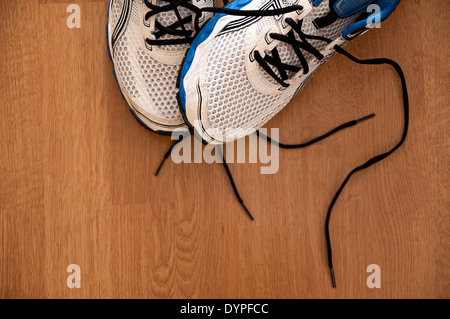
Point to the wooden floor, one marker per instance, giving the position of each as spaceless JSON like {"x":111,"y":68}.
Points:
{"x":77,"y":182}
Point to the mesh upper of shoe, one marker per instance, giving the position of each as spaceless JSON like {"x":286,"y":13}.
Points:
{"x":114,"y":14}
{"x":233,"y":103}
{"x":149,"y":83}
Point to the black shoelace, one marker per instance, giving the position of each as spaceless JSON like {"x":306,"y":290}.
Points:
{"x":367,"y":164}
{"x":178,"y":28}
{"x":225,"y":165}
{"x":375,"y":159}
{"x":290,"y":38}
{"x":166,"y":156}
{"x":317,"y":139}
{"x":282,"y":69}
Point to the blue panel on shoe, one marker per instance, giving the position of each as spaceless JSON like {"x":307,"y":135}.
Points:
{"x":345,"y":8}
{"x":386,"y":9}
{"x":317,"y":3}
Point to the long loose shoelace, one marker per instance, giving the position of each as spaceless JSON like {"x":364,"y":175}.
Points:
{"x":369,"y":163}
{"x":270,"y":140}
{"x":282,"y":70}
{"x":375,"y":159}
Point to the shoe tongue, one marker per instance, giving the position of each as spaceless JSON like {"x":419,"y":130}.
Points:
{"x":341,"y":9}
{"x":168,"y":18}
{"x":345,"y":8}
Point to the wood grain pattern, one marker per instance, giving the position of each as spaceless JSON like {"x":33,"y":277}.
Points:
{"x":77,"y":183}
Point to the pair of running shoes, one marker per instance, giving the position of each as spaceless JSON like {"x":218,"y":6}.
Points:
{"x":224,"y":72}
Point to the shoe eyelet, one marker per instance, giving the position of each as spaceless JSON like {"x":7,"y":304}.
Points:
{"x":268,"y":38}
{"x":148,"y":46}
{"x":145,"y":22}
{"x":251,"y":56}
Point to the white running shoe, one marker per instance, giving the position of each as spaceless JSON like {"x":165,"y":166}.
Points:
{"x":241,"y":71}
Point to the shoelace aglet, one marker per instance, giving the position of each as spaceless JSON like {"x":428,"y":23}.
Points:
{"x":166,"y":156}
{"x":230,"y":177}
{"x":160,"y":166}
{"x":247,"y":211}
{"x":333,"y":280}
{"x":366,"y":118}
